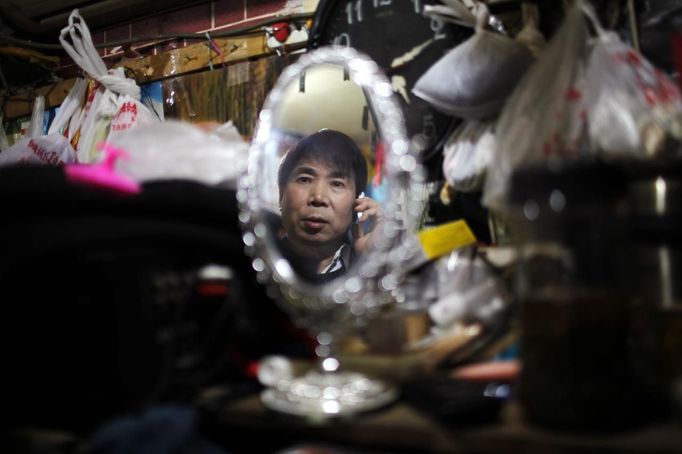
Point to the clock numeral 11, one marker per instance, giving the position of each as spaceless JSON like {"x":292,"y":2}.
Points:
{"x":358,"y":12}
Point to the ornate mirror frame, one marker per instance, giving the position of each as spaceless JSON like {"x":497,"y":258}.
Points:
{"x":371,"y":282}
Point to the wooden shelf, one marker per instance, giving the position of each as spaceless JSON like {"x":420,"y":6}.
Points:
{"x":171,"y":63}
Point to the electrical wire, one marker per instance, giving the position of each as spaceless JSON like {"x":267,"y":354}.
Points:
{"x":251,"y":29}
{"x":633,"y":24}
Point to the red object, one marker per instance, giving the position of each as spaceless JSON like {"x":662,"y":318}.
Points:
{"x":507,"y":370}
{"x":281,"y":31}
{"x":252,"y":369}
{"x":216,"y":289}
{"x":379,"y":164}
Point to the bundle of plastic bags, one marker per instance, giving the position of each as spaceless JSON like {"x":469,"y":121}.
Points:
{"x":112,"y":104}
{"x":583,"y":97}
{"x":473,"y":80}
{"x":632,"y":107}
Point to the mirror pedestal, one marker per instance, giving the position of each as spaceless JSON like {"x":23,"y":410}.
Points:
{"x":322,"y":395}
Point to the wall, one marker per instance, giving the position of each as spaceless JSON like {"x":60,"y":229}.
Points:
{"x":215,"y":16}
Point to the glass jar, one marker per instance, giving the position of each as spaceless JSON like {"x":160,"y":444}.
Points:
{"x":584,"y":328}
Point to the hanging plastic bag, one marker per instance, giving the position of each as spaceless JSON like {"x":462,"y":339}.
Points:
{"x":633,"y":108}
{"x":4,"y":143}
{"x":454,"y":11}
{"x":35,"y":128}
{"x":70,"y":109}
{"x":36,"y":147}
{"x":473,"y":80}
{"x":467,"y":154}
{"x":178,"y":150}
{"x":110,"y":97}
{"x":129,"y":113}
{"x":544,"y":118}
{"x":52,"y":149}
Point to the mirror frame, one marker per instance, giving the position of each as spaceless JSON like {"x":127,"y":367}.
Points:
{"x":373,"y":281}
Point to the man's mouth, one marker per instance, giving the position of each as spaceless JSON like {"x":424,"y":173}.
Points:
{"x":314,"y":222}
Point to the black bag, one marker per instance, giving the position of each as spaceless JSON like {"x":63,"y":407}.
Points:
{"x":105,"y":309}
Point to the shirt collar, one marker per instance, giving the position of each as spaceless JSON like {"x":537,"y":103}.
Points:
{"x":339,"y":260}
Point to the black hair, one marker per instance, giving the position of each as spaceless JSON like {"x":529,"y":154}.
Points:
{"x":332,"y":148}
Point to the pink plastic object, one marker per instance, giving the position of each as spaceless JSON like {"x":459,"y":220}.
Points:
{"x":102,"y":175}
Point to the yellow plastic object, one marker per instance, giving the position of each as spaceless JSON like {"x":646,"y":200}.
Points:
{"x":440,"y":240}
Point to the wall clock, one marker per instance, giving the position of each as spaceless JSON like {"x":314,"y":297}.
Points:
{"x":404,"y":43}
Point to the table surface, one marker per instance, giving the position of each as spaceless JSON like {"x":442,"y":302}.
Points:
{"x":400,"y":427}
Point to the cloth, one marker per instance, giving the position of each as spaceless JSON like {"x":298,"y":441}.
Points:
{"x":342,"y":260}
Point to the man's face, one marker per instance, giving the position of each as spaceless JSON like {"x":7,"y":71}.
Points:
{"x":317,"y":207}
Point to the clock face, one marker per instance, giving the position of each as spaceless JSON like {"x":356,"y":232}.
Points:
{"x":403,"y":42}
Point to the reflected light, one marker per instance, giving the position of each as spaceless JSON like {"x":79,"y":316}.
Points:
{"x":284,"y":269}
{"x":660,"y":195}
{"x":557,"y":200}
{"x":531,"y":210}
{"x":330,"y":364}
{"x":331,"y":407}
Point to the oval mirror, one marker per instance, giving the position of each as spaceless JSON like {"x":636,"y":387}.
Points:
{"x":326,"y":199}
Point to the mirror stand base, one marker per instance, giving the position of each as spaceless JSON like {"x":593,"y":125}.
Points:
{"x":322,"y":395}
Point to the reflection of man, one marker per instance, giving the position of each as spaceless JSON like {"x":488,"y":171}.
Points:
{"x":319,"y":181}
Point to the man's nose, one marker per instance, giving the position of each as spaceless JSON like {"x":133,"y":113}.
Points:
{"x":318,"y":196}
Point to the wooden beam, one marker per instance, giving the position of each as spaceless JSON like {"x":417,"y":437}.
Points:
{"x":21,"y":105}
{"x":30,"y":55}
{"x":195,"y":57}
{"x":157,"y":67}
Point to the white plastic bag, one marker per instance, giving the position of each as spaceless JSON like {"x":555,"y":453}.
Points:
{"x":36,"y":127}
{"x":633,"y":108}
{"x":178,"y":150}
{"x":468,"y":290}
{"x":474,"y":79}
{"x":4,"y":143}
{"x":467,"y":154}
{"x":544,"y":118}
{"x":130,"y":113}
{"x":67,"y":119}
{"x":52,"y":149}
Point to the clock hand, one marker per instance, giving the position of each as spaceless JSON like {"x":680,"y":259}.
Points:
{"x":411,"y":54}
{"x":400,"y":85}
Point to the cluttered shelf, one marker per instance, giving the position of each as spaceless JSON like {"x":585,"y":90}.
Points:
{"x":404,"y":428}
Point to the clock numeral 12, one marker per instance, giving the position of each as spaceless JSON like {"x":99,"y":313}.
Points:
{"x":358,"y":11}
{"x":417,"y":6}
{"x":378,"y":3}
{"x":437,"y":27}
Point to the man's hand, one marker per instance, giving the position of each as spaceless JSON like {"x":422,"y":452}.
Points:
{"x":370,"y":212}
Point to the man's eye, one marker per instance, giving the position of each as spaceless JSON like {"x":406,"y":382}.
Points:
{"x":338,"y":184}
{"x":303,"y":179}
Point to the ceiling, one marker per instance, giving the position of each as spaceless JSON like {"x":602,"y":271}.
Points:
{"x":40,"y":21}
{"x":47,"y":17}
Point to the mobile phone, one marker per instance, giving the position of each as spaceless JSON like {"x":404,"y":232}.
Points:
{"x":355,"y":226}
